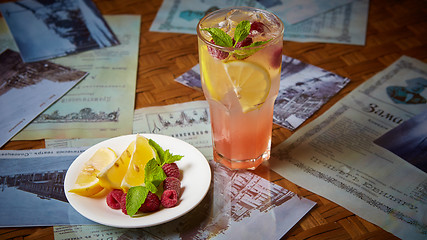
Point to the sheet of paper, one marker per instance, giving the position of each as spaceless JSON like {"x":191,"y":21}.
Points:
{"x":182,"y":16}
{"x":229,"y":207}
{"x":293,"y":11}
{"x":239,"y":205}
{"x":32,"y":188}
{"x":304,"y":88}
{"x":50,"y":29}
{"x":335,"y":155}
{"x":27,"y":89}
{"x":345,"y":24}
{"x":189,"y":122}
{"x":102,"y":105}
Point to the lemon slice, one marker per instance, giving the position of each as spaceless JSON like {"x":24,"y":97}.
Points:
{"x":112,"y":175}
{"x":135,"y":174}
{"x":251,"y":83}
{"x":87,"y":184}
{"x":212,"y":78}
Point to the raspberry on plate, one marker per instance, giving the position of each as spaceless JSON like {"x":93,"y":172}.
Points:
{"x":123,"y":203}
{"x":172,"y":183}
{"x":171,"y":170}
{"x":151,"y":204}
{"x":169,"y":198}
{"x":114,"y":198}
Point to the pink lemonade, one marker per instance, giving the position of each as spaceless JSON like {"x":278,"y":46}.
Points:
{"x":240,"y":78}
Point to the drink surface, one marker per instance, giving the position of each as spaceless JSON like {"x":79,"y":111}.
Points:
{"x":241,"y":84}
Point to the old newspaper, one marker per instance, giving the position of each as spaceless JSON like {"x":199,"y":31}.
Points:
{"x":358,"y":154}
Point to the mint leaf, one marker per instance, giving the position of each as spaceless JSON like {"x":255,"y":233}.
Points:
{"x":170,"y":158}
{"x":220,"y":37}
{"x":151,"y":187}
{"x":164,"y":156}
{"x":245,"y":52}
{"x":135,"y":198}
{"x":159,"y":150}
{"x":242,"y":31}
{"x":154,"y":175}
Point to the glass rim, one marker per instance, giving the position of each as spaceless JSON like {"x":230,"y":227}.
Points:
{"x":229,"y":49}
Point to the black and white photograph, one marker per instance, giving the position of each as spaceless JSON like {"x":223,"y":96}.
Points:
{"x":304,"y":88}
{"x":191,"y":78}
{"x":28,"y":89}
{"x":408,"y":141}
{"x":45,"y":29}
{"x":32,"y":184}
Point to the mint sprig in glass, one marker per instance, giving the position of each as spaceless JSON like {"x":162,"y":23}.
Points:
{"x":244,"y":47}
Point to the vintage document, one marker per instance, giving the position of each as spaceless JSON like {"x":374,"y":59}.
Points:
{"x":27,"y":89}
{"x":343,"y":154}
{"x":49,"y":29}
{"x":102,"y":104}
{"x":345,"y":24}
{"x":32,"y":188}
{"x":182,"y":16}
{"x":335,"y":22}
{"x":239,"y":205}
{"x":229,"y":207}
{"x":304,"y":88}
{"x":188,"y":121}
{"x":294,"y":11}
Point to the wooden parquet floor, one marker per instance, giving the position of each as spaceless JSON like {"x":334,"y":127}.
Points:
{"x":395,"y":28}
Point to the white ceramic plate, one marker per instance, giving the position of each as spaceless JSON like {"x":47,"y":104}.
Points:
{"x":195,"y":181}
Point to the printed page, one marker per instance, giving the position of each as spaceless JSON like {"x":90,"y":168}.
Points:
{"x":50,"y":29}
{"x":183,"y":16}
{"x":304,"y":88}
{"x":32,"y":188}
{"x":345,"y":24}
{"x":229,"y":207}
{"x":339,"y":155}
{"x":188,"y":121}
{"x":27,"y":89}
{"x":229,"y":211}
{"x":294,"y":11}
{"x":102,"y":104}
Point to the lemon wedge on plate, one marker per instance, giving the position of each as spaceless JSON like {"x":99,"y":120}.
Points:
{"x":112,"y":175}
{"x":251,"y":83}
{"x":87,"y":184}
{"x":135,"y":174}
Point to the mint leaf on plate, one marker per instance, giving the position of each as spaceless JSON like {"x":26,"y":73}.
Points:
{"x":159,"y":150}
{"x":164,"y":156}
{"x":135,"y":198}
{"x":170,"y":158}
{"x":154,"y":175}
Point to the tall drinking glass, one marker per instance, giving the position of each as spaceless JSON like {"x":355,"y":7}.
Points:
{"x":240,"y":53}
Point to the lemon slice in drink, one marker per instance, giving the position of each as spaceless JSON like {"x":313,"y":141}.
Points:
{"x":112,"y":175}
{"x":251,"y":83}
{"x":135,"y":174}
{"x":215,"y":84}
{"x":87,"y":184}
